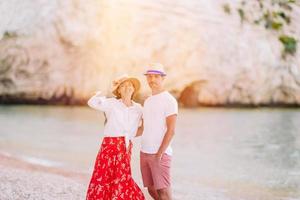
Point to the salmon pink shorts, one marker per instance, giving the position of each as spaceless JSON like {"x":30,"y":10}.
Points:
{"x":155,"y":173}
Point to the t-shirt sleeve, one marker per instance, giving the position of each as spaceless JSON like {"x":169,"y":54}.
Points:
{"x":171,"y":107}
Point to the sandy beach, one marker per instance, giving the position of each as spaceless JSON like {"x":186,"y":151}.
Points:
{"x":20,"y":180}
{"x":24,"y":181}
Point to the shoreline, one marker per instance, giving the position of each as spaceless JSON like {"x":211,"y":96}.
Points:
{"x":15,"y":163}
{"x":23,"y":180}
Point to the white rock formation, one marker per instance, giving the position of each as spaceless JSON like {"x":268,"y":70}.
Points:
{"x":68,"y":49}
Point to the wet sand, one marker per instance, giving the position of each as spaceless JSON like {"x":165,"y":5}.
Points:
{"x":20,"y":180}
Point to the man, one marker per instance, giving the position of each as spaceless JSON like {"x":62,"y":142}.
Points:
{"x":159,"y":115}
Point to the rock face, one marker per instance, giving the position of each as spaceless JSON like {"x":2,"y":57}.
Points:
{"x":63,"y":51}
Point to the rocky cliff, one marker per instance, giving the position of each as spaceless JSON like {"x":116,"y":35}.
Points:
{"x":62,"y":51}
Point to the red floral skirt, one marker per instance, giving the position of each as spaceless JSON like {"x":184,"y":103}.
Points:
{"x":111,"y":179}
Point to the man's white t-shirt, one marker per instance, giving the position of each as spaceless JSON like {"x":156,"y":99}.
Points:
{"x":156,"y":109}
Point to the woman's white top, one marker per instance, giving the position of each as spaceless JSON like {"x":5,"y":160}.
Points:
{"x":121,"y":120}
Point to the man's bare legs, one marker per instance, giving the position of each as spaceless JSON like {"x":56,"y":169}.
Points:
{"x":164,"y":194}
{"x":161,"y":194}
{"x":153,"y":193}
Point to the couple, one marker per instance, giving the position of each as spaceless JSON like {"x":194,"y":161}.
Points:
{"x":155,"y":122}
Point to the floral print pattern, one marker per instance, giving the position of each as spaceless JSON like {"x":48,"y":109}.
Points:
{"x":111,"y":178}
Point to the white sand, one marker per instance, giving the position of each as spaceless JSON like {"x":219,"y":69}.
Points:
{"x":25,"y":184}
{"x":19,"y":184}
{"x":23,"y":181}
{"x":20,"y":180}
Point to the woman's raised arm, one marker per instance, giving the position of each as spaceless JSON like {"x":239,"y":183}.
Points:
{"x":99,"y":102}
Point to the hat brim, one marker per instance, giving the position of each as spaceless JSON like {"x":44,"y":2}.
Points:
{"x":157,"y":73}
{"x":136,"y":84}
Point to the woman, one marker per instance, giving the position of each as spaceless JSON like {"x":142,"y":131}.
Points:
{"x":111,"y":177}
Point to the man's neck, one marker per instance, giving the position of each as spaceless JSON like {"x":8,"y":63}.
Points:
{"x":157,"y":91}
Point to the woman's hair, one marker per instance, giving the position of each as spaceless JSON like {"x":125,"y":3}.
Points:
{"x":119,"y":95}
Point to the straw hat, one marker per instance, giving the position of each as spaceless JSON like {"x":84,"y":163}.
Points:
{"x":118,"y":81}
{"x":155,"y":68}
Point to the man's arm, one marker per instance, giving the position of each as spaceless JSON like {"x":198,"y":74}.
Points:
{"x":171,"y":122}
{"x":140,"y":130}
